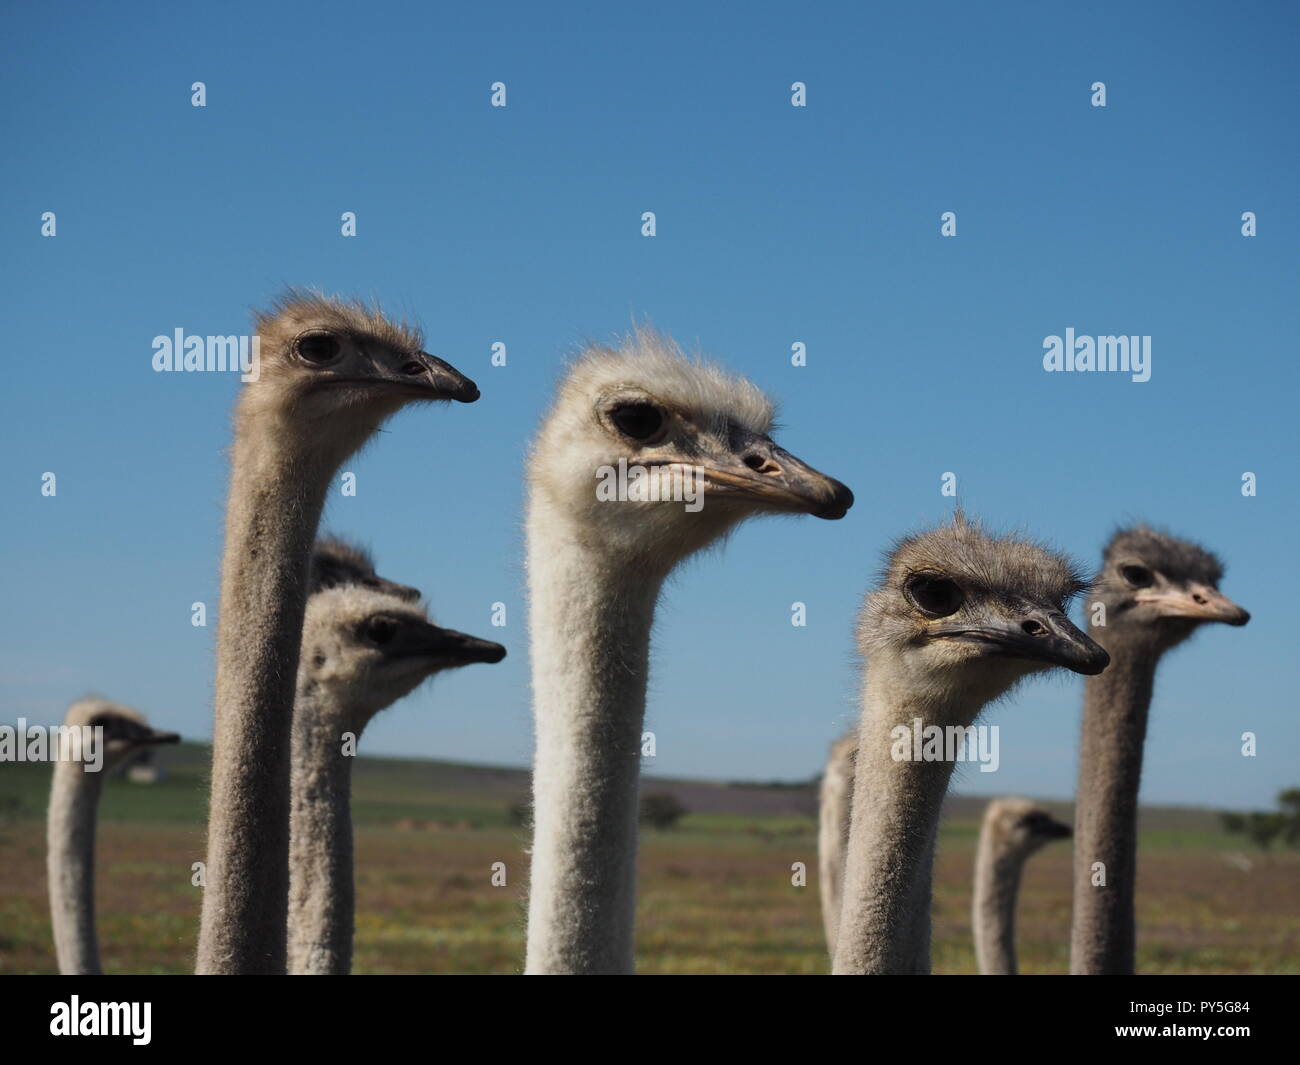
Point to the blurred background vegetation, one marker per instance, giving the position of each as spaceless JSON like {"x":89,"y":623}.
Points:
{"x":719,"y":877}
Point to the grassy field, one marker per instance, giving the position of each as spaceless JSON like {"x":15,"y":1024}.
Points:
{"x":715,"y":893}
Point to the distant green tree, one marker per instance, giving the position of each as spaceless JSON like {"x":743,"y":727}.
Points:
{"x":661,"y":810}
{"x":1289,"y":801}
{"x":1264,"y":828}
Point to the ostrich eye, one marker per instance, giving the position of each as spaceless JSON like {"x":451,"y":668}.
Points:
{"x":381,"y":631}
{"x":935,"y":596}
{"x":318,"y":348}
{"x":640,"y":421}
{"x":1137,"y":576}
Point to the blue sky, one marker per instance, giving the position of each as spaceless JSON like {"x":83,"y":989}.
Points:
{"x":775,"y":225}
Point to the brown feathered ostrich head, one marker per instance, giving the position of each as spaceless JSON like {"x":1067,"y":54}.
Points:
{"x":1020,"y":827}
{"x":331,"y":370}
{"x":125,"y":733}
{"x":1159,"y":588}
{"x":962,"y":615}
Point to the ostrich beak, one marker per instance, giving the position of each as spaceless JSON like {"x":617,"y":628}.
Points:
{"x":1040,"y":636}
{"x":1057,"y":830}
{"x":428,"y":373}
{"x":421,"y":376}
{"x":769,"y":475}
{"x":1199,"y":602}
{"x":456,"y":648}
{"x":155,"y":737}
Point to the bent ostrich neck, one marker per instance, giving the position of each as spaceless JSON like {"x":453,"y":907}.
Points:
{"x":74,"y":798}
{"x":275,"y":505}
{"x":589,"y":619}
{"x":321,"y":893}
{"x":997,"y":885}
{"x":884,"y":922}
{"x":1115,"y":707}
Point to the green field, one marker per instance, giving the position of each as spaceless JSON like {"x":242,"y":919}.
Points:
{"x":715,"y":893}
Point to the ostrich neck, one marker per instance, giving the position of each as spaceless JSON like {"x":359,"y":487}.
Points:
{"x":1115,"y":707}
{"x":276,"y":498}
{"x":835,"y":815}
{"x":74,"y":799}
{"x":589,"y":618}
{"x":997,"y":885}
{"x":884,"y":922}
{"x":321,"y":892}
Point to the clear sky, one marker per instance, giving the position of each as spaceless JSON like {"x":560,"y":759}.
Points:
{"x":776,"y":225}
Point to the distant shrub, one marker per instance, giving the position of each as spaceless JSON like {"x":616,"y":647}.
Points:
{"x":661,"y":810}
{"x":1289,"y":800}
{"x":1264,"y":828}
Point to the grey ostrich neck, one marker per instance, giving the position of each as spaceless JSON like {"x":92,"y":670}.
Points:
{"x":74,"y":797}
{"x":321,"y":887}
{"x":884,"y":924}
{"x":1115,"y":708}
{"x":276,"y":498}
{"x":997,"y":886}
{"x":590,"y":615}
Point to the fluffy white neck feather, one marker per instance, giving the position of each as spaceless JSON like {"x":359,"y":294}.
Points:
{"x":590,"y":616}
{"x":74,"y":797}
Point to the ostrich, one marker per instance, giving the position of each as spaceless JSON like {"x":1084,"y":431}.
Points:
{"x":362,"y":650}
{"x":1013,"y":829}
{"x":834,"y":812}
{"x":331,"y":373}
{"x":595,"y":568}
{"x":1156,"y":591}
{"x":74,"y":806}
{"x":336,"y":562}
{"x":958,"y":619}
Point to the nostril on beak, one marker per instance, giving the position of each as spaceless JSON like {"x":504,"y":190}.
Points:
{"x":760,"y":464}
{"x":413,"y":368}
{"x":1200,"y":598}
{"x":1034,"y":628}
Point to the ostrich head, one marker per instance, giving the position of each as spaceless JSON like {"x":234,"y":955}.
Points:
{"x":964,"y":615}
{"x":125,"y":734}
{"x":333,"y":370}
{"x":649,"y":409}
{"x":369,"y":648}
{"x":335,"y":562}
{"x":1021,"y":827}
{"x":1157,"y":587}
